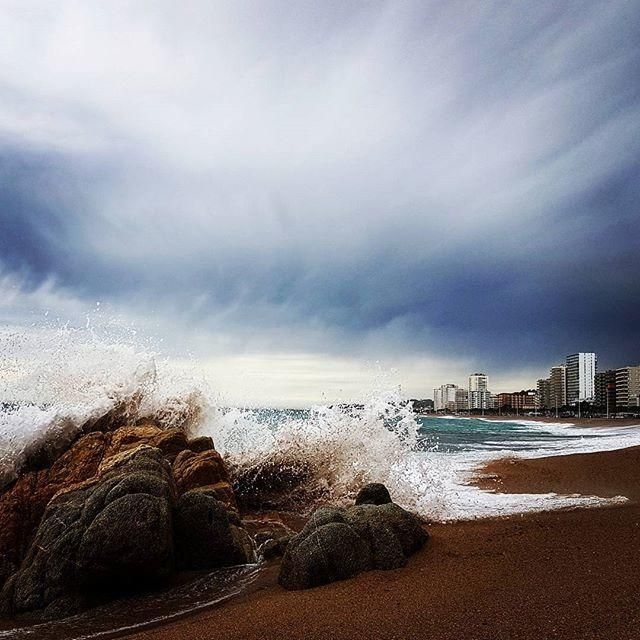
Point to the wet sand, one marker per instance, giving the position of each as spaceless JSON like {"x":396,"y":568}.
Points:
{"x":572,"y":574}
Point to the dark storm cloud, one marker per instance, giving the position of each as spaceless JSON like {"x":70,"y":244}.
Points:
{"x":443,"y":177}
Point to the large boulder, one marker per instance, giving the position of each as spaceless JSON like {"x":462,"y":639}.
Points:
{"x":207,"y":536}
{"x":108,"y":516}
{"x":373,"y":493}
{"x":50,"y":471}
{"x":24,"y":503}
{"x":339,"y":543}
{"x":112,"y":533}
{"x":332,"y":552}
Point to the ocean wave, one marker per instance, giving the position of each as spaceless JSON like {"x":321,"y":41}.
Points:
{"x":278,"y":459}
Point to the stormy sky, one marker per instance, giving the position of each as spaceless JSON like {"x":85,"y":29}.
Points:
{"x":288,"y":192}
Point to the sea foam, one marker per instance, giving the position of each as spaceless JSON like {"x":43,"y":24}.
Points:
{"x":282,"y":459}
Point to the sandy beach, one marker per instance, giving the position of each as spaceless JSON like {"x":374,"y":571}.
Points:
{"x":571,"y":574}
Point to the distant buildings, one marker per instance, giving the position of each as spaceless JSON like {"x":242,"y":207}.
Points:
{"x":552,"y":391}
{"x":558,"y":390}
{"x":544,"y":393}
{"x":462,"y":400}
{"x":444,"y":397}
{"x":581,"y":372}
{"x":452,"y":398}
{"x":525,"y":400}
{"x":605,"y":385}
{"x":571,"y":384}
{"x":479,"y":395}
{"x":628,"y":387}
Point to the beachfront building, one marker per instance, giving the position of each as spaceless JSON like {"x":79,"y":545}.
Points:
{"x":479,"y":395}
{"x":605,"y":384}
{"x":462,"y":400}
{"x":478,"y":382}
{"x":558,"y":391}
{"x":581,"y":373}
{"x":525,"y":400}
{"x":628,"y":387}
{"x":552,"y":391}
{"x":444,"y":397}
{"x":544,"y":393}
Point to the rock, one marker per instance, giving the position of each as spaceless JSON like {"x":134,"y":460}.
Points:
{"x":129,"y":540}
{"x":201,"y":443}
{"x":108,"y":518}
{"x":273,"y":548}
{"x":331,"y":552}
{"x":339,"y":543}
{"x":205,"y":536}
{"x":114,"y":532}
{"x":104,"y":443}
{"x":392,"y":533}
{"x":269,"y":549}
{"x":23,"y":504}
{"x":203,"y":469}
{"x":373,"y":493}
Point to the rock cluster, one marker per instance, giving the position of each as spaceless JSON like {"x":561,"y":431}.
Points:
{"x":119,"y":510}
{"x":338,"y":543}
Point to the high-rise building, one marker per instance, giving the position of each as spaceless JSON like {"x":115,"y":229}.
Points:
{"x":628,"y":387}
{"x":581,"y":372}
{"x":605,"y":384}
{"x":462,"y":400}
{"x":444,"y":397}
{"x":479,"y":396}
{"x":478,"y":382}
{"x":558,"y":390}
{"x":544,"y":393}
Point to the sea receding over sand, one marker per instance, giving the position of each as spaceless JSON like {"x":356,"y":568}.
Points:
{"x":563,"y":574}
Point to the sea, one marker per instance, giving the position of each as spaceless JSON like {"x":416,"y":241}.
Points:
{"x":327,"y":451}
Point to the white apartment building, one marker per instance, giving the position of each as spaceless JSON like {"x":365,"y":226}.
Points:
{"x":444,"y":397}
{"x":478,"y":382}
{"x":581,"y":373}
{"x":479,"y":396}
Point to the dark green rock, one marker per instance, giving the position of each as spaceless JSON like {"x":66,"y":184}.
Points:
{"x":205,"y":536}
{"x":373,"y":493}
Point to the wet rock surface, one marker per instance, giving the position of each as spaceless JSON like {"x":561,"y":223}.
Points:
{"x":118,"y":511}
{"x":338,"y":543}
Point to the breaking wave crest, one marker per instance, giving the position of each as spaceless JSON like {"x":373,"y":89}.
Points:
{"x":288,"y":460}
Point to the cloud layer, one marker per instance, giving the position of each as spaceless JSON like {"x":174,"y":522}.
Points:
{"x":379,"y":180}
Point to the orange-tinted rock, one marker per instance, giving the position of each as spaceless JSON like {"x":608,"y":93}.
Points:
{"x":171,"y":442}
{"x":22,"y":505}
{"x":122,"y":530}
{"x":193,"y":470}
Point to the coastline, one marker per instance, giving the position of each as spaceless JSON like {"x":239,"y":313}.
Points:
{"x":570,"y":574}
{"x":579,"y":422}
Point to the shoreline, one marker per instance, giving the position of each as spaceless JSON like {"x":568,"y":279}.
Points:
{"x":568,"y":574}
{"x":578,"y":422}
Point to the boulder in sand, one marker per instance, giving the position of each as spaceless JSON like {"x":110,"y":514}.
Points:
{"x":338,"y":543}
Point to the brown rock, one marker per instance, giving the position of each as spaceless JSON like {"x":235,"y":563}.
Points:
{"x":23,"y":504}
{"x":201,"y":443}
{"x":203,"y":469}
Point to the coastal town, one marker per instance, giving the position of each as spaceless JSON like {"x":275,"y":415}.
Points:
{"x":573,"y":389}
